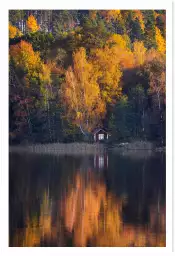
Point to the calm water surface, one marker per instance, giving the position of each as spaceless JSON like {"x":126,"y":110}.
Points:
{"x":100,"y":200}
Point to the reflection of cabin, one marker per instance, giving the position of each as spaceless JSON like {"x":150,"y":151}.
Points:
{"x":100,"y":135}
{"x":101,"y":161}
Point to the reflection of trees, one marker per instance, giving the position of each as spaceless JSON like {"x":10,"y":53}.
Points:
{"x":94,"y":217}
{"x":89,"y":216}
{"x":38,"y":231}
{"x":90,"y":211}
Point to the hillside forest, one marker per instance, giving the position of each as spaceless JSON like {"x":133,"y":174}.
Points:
{"x":71,"y":71}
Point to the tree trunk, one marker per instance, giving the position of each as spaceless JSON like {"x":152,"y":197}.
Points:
{"x":82,"y":130}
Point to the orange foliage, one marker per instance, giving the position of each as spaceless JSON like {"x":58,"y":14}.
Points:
{"x":89,"y":211}
{"x":14,"y":31}
{"x":152,"y":54}
{"x":55,"y":69}
{"x":156,"y":14}
{"x":125,"y":57}
{"x":25,"y":58}
{"x":81,"y":93}
{"x":92,"y":14}
{"x":32,"y":24}
{"x":92,"y":215}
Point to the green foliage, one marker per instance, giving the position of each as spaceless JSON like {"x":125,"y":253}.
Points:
{"x":94,"y":33}
{"x":150,"y":32}
{"x":63,"y":21}
{"x":161,"y":24}
{"x":119,"y":122}
{"x":126,"y":52}
{"x":41,"y":42}
{"x":136,"y":32}
{"x":15,"y":16}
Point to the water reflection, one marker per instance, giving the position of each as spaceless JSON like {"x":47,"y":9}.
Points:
{"x":82,"y":209}
{"x":101,"y":161}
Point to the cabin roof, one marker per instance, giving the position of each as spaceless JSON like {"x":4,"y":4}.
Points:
{"x":98,"y":129}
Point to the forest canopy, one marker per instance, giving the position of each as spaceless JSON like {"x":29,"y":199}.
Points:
{"x":72,"y":71}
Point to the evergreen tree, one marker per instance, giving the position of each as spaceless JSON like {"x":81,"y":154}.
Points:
{"x":150,"y":32}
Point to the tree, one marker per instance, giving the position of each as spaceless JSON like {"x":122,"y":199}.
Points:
{"x":29,"y":65}
{"x":136,"y":32}
{"x":73,"y":89}
{"x":41,"y":42}
{"x":139,"y":53}
{"x":137,"y":102}
{"x":94,"y":33}
{"x":155,"y":69}
{"x":107,"y":64}
{"x":15,"y":16}
{"x":81,"y":93}
{"x":119,"y":124}
{"x":150,"y":32}
{"x":111,"y":15}
{"x":14,"y":32}
{"x":118,"y":40}
{"x":93,"y":14}
{"x":25,"y":58}
{"x":161,"y":46}
{"x":161,"y":23}
{"x":63,"y":21}
{"x":137,"y":14}
{"x":32,"y":24}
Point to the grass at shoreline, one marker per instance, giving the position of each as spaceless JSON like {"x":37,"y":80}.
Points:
{"x":88,"y":148}
{"x":61,"y":148}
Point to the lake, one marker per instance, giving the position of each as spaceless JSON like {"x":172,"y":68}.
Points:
{"x":97,"y":200}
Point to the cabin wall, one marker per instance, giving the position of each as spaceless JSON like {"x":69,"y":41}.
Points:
{"x":96,"y":136}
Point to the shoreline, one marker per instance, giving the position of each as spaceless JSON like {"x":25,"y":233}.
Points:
{"x":61,"y":148}
{"x":88,"y":148}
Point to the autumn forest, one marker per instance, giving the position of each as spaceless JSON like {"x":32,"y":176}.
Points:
{"x":72,"y":71}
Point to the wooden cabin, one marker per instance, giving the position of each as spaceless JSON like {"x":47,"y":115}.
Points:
{"x":100,"y":135}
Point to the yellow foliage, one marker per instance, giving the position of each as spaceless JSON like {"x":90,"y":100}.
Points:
{"x":32,"y":24}
{"x":25,"y":58}
{"x":81,"y":92}
{"x":121,"y":53}
{"x":107,"y":65}
{"x":139,"y":53}
{"x":161,"y":45}
{"x":110,"y":15}
{"x":118,"y":40}
{"x":156,"y":14}
{"x":45,"y":74}
{"x":14,"y":32}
